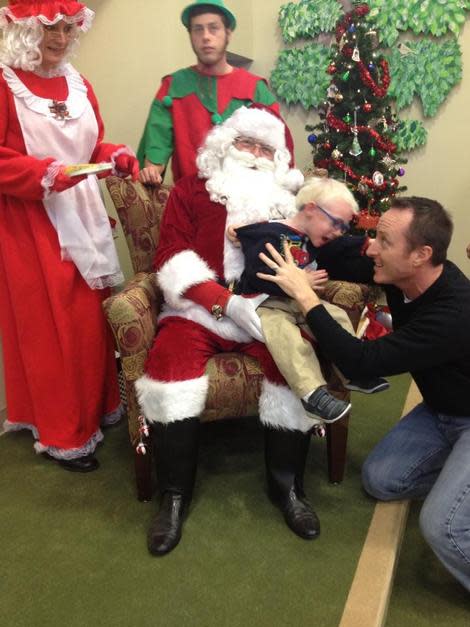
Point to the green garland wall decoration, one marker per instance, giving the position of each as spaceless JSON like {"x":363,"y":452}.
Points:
{"x":427,"y":17}
{"x":300,"y":77}
{"x":428,"y":69}
{"x":308,"y":18}
{"x":409,"y":135}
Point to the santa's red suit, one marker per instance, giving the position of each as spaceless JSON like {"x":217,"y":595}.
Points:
{"x":59,"y":359}
{"x":195,"y":261}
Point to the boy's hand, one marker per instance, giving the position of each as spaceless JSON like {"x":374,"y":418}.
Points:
{"x":317,"y":279}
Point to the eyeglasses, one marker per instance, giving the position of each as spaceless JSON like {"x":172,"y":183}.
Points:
{"x":54,"y":31}
{"x":249,"y":145}
{"x":336,"y":223}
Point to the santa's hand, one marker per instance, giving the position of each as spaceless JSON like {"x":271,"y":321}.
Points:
{"x":127,"y":165}
{"x":243,"y":312}
{"x":231,"y":234}
{"x":63,"y":181}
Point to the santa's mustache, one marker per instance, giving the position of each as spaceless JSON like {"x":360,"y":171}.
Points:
{"x":248,"y":160}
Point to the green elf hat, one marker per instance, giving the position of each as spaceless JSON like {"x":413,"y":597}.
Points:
{"x":215,"y":3}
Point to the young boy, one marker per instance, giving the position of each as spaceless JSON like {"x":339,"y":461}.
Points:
{"x":325,"y":209}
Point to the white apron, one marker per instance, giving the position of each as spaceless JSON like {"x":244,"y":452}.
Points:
{"x":77,"y":214}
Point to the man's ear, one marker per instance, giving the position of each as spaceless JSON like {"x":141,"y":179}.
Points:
{"x":422,"y":255}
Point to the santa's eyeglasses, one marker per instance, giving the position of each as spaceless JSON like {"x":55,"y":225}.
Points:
{"x":336,"y":223}
{"x":249,"y":145}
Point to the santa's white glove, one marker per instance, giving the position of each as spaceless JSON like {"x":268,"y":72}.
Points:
{"x":243,"y":312}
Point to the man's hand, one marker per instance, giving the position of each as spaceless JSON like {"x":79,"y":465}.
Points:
{"x":289,"y":277}
{"x":243,"y":312}
{"x":151,"y":174}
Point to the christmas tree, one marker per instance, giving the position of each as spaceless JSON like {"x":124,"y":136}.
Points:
{"x":353,"y":139}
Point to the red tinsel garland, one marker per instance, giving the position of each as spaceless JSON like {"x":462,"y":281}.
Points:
{"x":339,"y":125}
{"x":324,"y":163}
{"x":378,"y":91}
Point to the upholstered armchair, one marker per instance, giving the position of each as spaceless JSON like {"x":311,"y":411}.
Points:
{"x":235,"y":380}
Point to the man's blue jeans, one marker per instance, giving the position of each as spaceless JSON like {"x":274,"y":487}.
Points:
{"x":427,"y":455}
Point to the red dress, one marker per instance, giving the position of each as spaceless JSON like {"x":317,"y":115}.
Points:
{"x":58,"y":352}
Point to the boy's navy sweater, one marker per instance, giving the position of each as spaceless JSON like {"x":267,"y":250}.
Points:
{"x":342,"y":258}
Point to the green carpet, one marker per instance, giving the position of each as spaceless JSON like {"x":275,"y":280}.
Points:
{"x":72,"y":548}
{"x":424,"y":593}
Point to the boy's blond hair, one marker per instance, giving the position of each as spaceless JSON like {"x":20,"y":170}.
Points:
{"x":321,"y":190}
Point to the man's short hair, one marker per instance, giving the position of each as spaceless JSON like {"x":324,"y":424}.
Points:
{"x":431,"y":225}
{"x":207,"y":8}
{"x":321,"y":190}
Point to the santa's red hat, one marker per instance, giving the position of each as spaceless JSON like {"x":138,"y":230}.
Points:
{"x":47,"y":12}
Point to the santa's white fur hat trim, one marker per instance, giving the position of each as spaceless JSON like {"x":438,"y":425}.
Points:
{"x":258,"y":124}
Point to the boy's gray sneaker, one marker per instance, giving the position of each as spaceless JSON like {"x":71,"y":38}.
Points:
{"x":324,"y":405}
{"x":369,"y":386}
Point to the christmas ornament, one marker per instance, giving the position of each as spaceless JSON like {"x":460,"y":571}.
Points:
{"x":312,"y":138}
{"x":367,"y":107}
{"x":355,"y":55}
{"x":362,"y":188}
{"x":347,"y":118}
{"x":339,"y":97}
{"x":372,"y":152}
{"x":336,"y":154}
{"x":331,"y":69}
{"x":373,"y":39}
{"x":401,"y":172}
{"x":345,"y":76}
{"x":355,"y":149}
{"x":332,"y":91}
{"x":388,"y":161}
{"x":366,"y":221}
{"x":378,"y":178}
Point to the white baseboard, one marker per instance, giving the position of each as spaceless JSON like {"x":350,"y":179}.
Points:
{"x":3,"y":417}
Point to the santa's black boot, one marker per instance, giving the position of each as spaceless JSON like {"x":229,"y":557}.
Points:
{"x":175,"y":450}
{"x":285,"y":456}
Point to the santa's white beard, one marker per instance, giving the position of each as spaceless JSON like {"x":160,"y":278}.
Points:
{"x":247,"y":186}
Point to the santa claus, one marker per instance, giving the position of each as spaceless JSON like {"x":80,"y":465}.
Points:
{"x":244,"y":176}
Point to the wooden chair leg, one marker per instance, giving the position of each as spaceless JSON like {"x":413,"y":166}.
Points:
{"x":143,"y":475}
{"x":336,"y":442}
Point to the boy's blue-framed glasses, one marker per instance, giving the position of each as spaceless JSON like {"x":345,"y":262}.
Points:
{"x":336,"y":223}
